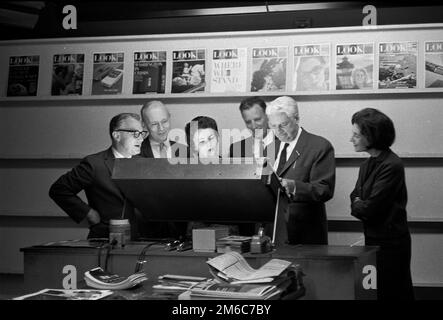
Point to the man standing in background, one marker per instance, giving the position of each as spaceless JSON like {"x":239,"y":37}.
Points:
{"x":156,"y":118}
{"x":253,"y":112}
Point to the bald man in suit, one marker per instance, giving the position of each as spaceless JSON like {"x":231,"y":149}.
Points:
{"x":156,"y":119}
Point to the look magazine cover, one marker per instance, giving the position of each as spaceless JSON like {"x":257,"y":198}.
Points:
{"x":107,"y":75}
{"x":434,"y":64}
{"x":311,"y":67}
{"x":149,"y":72}
{"x":67,"y":74}
{"x":188,"y":71}
{"x":23,"y":76}
{"x":355,"y":66}
{"x":229,"y":70}
{"x":398,"y":65}
{"x":269,"y":69}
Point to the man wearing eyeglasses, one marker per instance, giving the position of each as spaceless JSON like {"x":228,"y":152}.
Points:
{"x":305,"y":164}
{"x":156,"y":118}
{"x":93,"y":175}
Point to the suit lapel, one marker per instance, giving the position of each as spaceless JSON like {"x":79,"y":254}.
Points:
{"x":109,"y":160}
{"x":146,"y":146}
{"x":296,"y":152}
{"x":276,"y":147}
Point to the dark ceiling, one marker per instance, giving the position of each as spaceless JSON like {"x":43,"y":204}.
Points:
{"x":43,"y":19}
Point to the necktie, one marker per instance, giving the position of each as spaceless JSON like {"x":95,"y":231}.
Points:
{"x":163,"y":153}
{"x":282,"y":161}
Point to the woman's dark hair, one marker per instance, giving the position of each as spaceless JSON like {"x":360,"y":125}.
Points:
{"x":203,"y":122}
{"x":376,"y":127}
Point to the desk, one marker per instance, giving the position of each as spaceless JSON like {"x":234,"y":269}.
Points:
{"x":332,"y":272}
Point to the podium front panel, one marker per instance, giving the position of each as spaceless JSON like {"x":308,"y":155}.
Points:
{"x":196,"y":191}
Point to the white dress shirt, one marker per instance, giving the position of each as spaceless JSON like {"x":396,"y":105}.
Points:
{"x":288,"y":150}
{"x":264,"y":143}
{"x":155,"y":147}
{"x":118,"y":155}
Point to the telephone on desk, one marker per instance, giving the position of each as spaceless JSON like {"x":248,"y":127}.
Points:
{"x":178,"y":245}
{"x":261,"y":243}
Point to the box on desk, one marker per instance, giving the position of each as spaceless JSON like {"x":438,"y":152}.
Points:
{"x":239,"y":244}
{"x":204,"y":239}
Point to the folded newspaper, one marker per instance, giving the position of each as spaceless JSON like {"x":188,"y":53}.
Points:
{"x":233,"y":268}
{"x":175,"y":284}
{"x":101,"y":279}
{"x":213,"y":289}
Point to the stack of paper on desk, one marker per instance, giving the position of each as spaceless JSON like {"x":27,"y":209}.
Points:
{"x":215,"y":290}
{"x":100,"y":279}
{"x":176,"y":284}
{"x":233,"y":268}
{"x":236,"y":279}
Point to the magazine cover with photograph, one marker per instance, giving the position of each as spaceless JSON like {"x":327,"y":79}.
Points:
{"x":268,"y":71}
{"x":23,"y":76}
{"x":311,"y":67}
{"x":434,"y":64}
{"x":229,"y":70}
{"x":107,"y":74}
{"x":149,"y":72}
{"x":67,"y":74}
{"x":188,"y":71}
{"x":355,"y":66}
{"x":397,"y":65}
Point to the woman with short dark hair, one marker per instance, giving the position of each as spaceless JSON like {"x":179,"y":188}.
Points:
{"x":202,"y":137}
{"x":379,"y":201}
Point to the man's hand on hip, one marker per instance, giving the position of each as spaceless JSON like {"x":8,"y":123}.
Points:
{"x":93,"y":217}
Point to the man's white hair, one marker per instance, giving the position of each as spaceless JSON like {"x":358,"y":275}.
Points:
{"x":283,"y":104}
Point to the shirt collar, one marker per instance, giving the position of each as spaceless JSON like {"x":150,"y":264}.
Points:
{"x":157,"y":144}
{"x":294,"y":142}
{"x":268,"y":139}
{"x":117,"y":154}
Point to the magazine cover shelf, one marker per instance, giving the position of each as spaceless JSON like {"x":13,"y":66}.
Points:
{"x":323,"y":61}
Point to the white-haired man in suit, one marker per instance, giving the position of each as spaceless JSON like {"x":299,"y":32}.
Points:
{"x":305,"y":164}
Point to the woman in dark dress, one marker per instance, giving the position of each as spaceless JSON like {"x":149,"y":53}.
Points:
{"x":379,"y":201}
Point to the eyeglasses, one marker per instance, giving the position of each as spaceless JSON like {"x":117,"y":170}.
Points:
{"x":135,"y":133}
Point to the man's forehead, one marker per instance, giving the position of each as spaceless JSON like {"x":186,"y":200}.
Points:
{"x":131,"y":122}
{"x":203,"y":133}
{"x":157,"y":112}
{"x":255,"y":110}
{"x":278,"y":116}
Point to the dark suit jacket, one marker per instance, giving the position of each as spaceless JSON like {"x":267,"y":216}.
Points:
{"x":383,"y":197}
{"x":312,"y":166}
{"x":240,"y":146}
{"x":160,"y":229}
{"x":93,"y":175}
{"x":246,"y":148}
{"x":179,"y":150}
